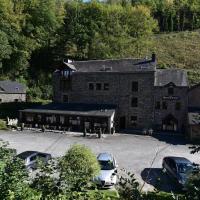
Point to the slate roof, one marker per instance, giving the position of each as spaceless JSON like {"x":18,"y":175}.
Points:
{"x":12,"y":87}
{"x":113,"y":65}
{"x":195,"y":86}
{"x":166,"y":76}
{"x":80,"y":109}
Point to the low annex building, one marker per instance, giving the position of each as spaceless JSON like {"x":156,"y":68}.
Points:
{"x":12,"y":91}
{"x":76,"y":117}
{"x":140,"y":95}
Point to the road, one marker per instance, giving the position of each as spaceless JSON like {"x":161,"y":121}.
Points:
{"x":141,"y":155}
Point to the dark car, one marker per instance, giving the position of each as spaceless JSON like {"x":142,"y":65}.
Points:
{"x":30,"y":158}
{"x":179,"y":168}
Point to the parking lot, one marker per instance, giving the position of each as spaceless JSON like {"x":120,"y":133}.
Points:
{"x":139,"y":154}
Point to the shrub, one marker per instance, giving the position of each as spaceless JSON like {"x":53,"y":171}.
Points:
{"x":3,"y":125}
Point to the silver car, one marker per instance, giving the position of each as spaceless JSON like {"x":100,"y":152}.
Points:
{"x":30,"y":158}
{"x":108,"y":173}
{"x":179,"y":168}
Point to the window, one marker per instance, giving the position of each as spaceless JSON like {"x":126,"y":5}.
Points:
{"x":164,"y":105}
{"x":134,"y":102}
{"x":33,"y":158}
{"x":65,"y":98}
{"x":133,"y":118}
{"x":106,"y":86}
{"x":134,"y":121}
{"x":135,"y":86}
{"x":0,"y":100}
{"x":91,"y":86}
{"x":157,"y":106}
{"x":170,"y":91}
{"x":98,"y":86}
{"x":16,"y":100}
{"x":178,"y":106}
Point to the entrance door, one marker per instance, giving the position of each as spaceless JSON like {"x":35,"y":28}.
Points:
{"x":170,"y":123}
{"x":122,"y":122}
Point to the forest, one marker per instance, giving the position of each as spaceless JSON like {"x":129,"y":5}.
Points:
{"x":36,"y":35}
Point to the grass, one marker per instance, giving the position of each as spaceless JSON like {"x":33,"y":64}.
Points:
{"x":108,"y":194}
{"x":179,"y":50}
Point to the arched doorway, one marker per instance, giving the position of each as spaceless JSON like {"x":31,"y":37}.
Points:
{"x":170,"y":123}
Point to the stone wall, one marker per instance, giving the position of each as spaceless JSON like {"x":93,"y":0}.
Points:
{"x":194,"y":96}
{"x":181,"y":115}
{"x":119,"y":93}
{"x":12,"y":97}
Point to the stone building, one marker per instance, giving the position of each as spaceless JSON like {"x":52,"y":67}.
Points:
{"x":194,"y":112}
{"x":143,"y":96}
{"x":11,"y":91}
{"x":170,"y":99}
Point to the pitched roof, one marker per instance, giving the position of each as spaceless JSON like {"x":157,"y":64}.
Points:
{"x":166,"y":76}
{"x":195,"y":86}
{"x":12,"y":87}
{"x":81,"y":109}
{"x":114,"y":65}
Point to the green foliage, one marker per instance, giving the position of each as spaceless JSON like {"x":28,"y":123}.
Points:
{"x":178,"y":50}
{"x":3,"y":125}
{"x":77,"y":168}
{"x":70,"y":176}
{"x":162,"y":196}
{"x":36,"y":35}
{"x":96,"y":30}
{"x":193,"y":187}
{"x":129,"y":188}
{"x":13,"y":177}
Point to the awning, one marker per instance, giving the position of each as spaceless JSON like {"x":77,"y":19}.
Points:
{"x":77,"y":109}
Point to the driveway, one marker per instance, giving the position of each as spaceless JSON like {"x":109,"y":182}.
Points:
{"x":141,"y":155}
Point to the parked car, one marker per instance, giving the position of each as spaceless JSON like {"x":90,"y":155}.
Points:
{"x":30,"y":158}
{"x":108,"y":173}
{"x":179,"y":168}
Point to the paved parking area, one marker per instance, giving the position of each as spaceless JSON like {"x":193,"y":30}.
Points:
{"x":139,"y":154}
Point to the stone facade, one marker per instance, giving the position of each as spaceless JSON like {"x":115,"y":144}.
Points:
{"x":133,"y":90}
{"x":12,"y":91}
{"x":5,"y":98}
{"x":120,"y":93}
{"x":194,"y":113}
{"x":170,"y":105}
{"x":194,"y":96}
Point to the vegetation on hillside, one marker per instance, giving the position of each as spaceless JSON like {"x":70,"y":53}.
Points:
{"x":179,"y":50}
{"x":35,"y":36}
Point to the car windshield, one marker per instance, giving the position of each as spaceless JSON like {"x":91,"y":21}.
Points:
{"x":184,"y":167}
{"x":106,"y":165}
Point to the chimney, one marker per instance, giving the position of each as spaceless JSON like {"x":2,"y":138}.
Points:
{"x":153,"y":58}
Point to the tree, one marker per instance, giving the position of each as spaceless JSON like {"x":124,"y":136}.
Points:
{"x":193,"y":187}
{"x":14,"y":177}
{"x":99,"y":31}
{"x":77,"y":168}
{"x":70,"y":176}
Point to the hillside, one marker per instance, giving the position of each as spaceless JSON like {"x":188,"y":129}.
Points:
{"x":179,"y":50}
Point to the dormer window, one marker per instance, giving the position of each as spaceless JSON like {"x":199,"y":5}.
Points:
{"x":170,"y":91}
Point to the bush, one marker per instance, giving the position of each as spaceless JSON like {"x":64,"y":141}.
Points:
{"x":78,"y":167}
{"x":162,"y":196}
{"x":3,"y":125}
